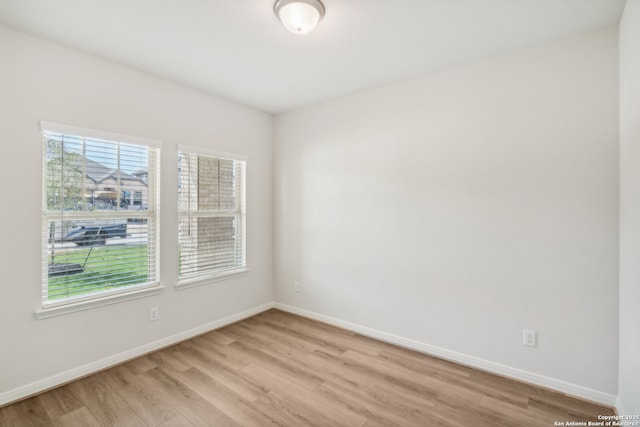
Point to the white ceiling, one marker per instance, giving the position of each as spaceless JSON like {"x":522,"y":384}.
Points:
{"x":238,"y":50}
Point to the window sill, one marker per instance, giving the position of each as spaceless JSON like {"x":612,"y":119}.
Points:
{"x":45,"y":313}
{"x":192,"y":283}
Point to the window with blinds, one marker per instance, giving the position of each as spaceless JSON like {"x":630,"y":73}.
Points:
{"x":100,"y":215}
{"x":211,"y":214}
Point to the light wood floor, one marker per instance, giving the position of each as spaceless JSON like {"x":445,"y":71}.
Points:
{"x":280,"y":369}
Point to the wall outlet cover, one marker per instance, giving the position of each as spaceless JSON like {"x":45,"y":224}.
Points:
{"x":529,"y":338}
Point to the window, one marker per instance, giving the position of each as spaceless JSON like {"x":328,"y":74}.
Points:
{"x":96,"y":242}
{"x":211,"y":214}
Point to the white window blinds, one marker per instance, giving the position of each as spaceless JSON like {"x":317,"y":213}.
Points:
{"x":211,"y":210}
{"x":100,"y":215}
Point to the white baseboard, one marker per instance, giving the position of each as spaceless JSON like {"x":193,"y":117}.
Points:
{"x":82,"y":371}
{"x":463,"y":359}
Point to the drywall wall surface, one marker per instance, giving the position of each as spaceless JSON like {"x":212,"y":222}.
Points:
{"x":629,"y":380}
{"x":43,"y":81}
{"x":459,"y":208}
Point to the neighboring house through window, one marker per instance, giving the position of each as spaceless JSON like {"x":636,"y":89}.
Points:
{"x":212,"y":215}
{"x":100,"y":215}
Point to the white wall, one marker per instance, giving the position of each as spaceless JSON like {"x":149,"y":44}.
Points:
{"x":459,"y":208}
{"x":44,"y":81}
{"x":629,"y":371}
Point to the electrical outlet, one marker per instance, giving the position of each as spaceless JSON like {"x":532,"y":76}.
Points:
{"x":154,"y":313}
{"x":296,"y":287}
{"x":529,"y":338}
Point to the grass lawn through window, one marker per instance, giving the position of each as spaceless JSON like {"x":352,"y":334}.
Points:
{"x":105,"y":267}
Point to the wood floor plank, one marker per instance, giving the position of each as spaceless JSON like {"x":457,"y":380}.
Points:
{"x":502,"y":388}
{"x":277,"y":334}
{"x":322,"y":336}
{"x":459,"y":396}
{"x":507,"y":413}
{"x":274,"y":345}
{"x":177,"y":421}
{"x":336,"y":369}
{"x":250,"y":353}
{"x":197,"y":410}
{"x":302,"y":401}
{"x":282,"y":416}
{"x":374,"y":422}
{"x":367,"y":405}
{"x":426,"y":365}
{"x":140,"y":365}
{"x":217,"y":338}
{"x":221,"y":353}
{"x":106,"y":405}
{"x":233,"y":379}
{"x":460,"y":382}
{"x":281,"y":369}
{"x":318,"y":342}
{"x":310,"y":339}
{"x":453,"y":415}
{"x":267,"y":338}
{"x":392,"y":378}
{"x":116,"y":377}
{"x":58,"y":402}
{"x":145,"y":402}
{"x":281,"y":364}
{"x":574,"y":405}
{"x":278,"y":316}
{"x":166,"y":359}
{"x":562,"y":409}
{"x":79,"y":417}
{"x":383,"y":388}
{"x":28,"y":413}
{"x":223,"y":398}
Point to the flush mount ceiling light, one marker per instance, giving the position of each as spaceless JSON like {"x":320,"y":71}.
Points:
{"x":299,"y":16}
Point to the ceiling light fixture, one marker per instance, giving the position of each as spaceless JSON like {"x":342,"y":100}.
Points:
{"x":299,"y":16}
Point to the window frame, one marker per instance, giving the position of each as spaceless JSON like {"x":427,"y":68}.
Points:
{"x":123,"y":293}
{"x":213,"y":276}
